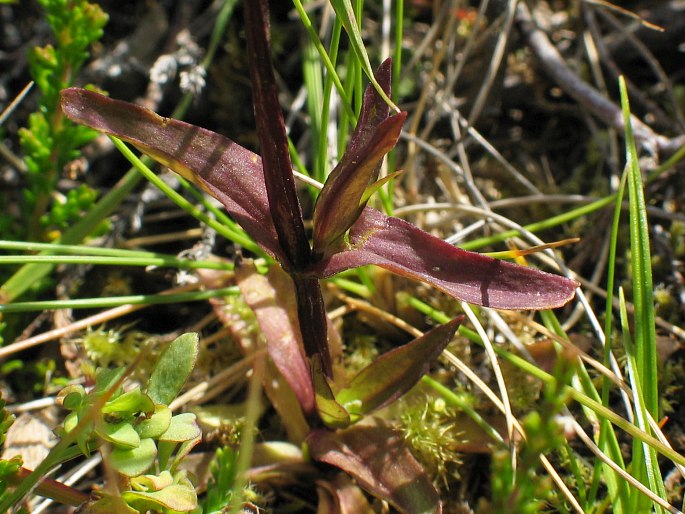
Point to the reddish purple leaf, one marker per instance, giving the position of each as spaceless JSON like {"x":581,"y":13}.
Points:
{"x":280,"y":183}
{"x":234,"y":176}
{"x":230,"y":173}
{"x":273,"y":301}
{"x":251,"y":342}
{"x":406,"y":250}
{"x":374,"y":110}
{"x":340,"y":202}
{"x":284,"y":205}
{"x":379,"y":460}
{"x":395,"y":372}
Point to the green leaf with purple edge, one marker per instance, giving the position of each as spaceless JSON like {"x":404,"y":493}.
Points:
{"x":234,"y":176}
{"x":330,"y":411}
{"x":343,"y":197}
{"x":284,"y":205}
{"x":402,"y":248}
{"x":380,"y":461}
{"x":395,"y":372}
{"x":272,"y":299}
{"x":341,"y":200}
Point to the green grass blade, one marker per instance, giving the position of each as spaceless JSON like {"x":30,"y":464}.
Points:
{"x":653,"y":476}
{"x":28,"y":275}
{"x":399,"y":32}
{"x":312,"y":73}
{"x":645,"y":333}
{"x":321,"y":159}
{"x":330,"y":68}
{"x":238,"y":237}
{"x":346,"y":13}
{"x":538,"y":226}
{"x":465,"y":406}
{"x":58,"y":248}
{"x":618,"y":489}
{"x":645,"y":372}
{"x":116,"y":301}
{"x":346,"y":122}
{"x":104,"y":260}
{"x":607,"y":441}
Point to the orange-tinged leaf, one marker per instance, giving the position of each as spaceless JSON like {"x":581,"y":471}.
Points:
{"x":516,"y":253}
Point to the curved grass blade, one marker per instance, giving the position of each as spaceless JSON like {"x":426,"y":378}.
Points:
{"x":115,"y":301}
{"x":345,"y":12}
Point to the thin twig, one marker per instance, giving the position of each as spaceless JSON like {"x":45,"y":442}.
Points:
{"x":585,"y":94}
{"x":15,"y":103}
{"x":495,"y":63}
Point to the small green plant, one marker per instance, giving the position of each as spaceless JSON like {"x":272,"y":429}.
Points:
{"x":50,"y":141}
{"x":260,"y":195}
{"x":221,"y":488}
{"x":142,"y":440}
{"x":433,"y":433}
{"x":518,"y":486}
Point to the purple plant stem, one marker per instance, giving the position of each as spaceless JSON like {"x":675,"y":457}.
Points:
{"x":280,"y":184}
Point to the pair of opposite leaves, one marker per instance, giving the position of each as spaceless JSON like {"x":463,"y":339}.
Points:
{"x":346,"y":233}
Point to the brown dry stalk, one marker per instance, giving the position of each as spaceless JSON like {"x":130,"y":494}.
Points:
{"x":586,"y":95}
